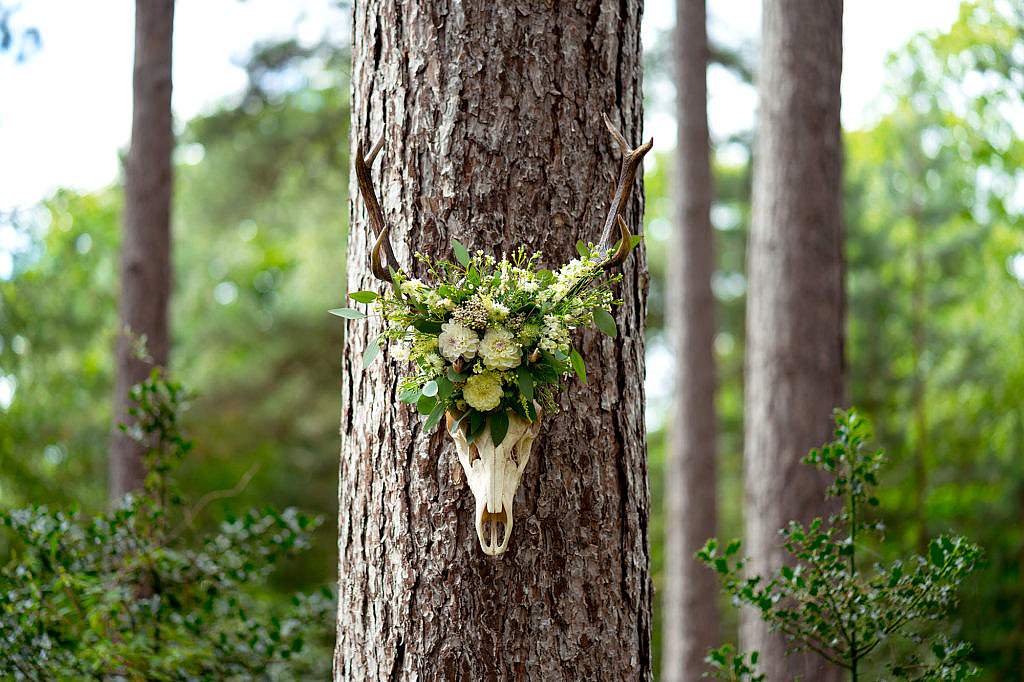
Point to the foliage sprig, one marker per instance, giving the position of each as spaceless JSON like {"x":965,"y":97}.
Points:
{"x":824,"y":600}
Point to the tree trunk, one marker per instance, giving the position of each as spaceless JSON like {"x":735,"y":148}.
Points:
{"x":146,"y":242}
{"x":794,"y":363}
{"x":493,"y":135}
{"x":691,"y":611}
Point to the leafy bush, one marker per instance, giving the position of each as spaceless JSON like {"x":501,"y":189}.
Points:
{"x":825,"y":601}
{"x":133,"y":594}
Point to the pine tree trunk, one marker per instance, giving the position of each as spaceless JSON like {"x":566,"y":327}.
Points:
{"x":794,"y":363}
{"x":146,"y":242}
{"x":691,"y":612}
{"x":492,"y":121}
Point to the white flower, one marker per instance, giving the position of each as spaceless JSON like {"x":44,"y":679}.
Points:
{"x":554,"y":336}
{"x":401,"y":351}
{"x":434,"y":362}
{"x":413,"y":287}
{"x":483,"y":391}
{"x":494,"y":309}
{"x":499,"y":349}
{"x":457,"y":341}
{"x":529,"y":285}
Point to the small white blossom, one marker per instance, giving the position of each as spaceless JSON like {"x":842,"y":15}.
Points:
{"x":434,"y":362}
{"x":401,"y":351}
{"x":554,"y":335}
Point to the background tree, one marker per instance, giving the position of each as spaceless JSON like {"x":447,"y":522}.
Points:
{"x":691,"y":612}
{"x":795,"y":303}
{"x":146,"y":244}
{"x":493,"y":135}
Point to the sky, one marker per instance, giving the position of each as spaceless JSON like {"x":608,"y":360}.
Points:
{"x":65,"y":113}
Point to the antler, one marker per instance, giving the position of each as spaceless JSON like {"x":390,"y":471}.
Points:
{"x":631,"y":160}
{"x":380,"y":270}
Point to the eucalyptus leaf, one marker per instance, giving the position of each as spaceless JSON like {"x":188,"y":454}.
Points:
{"x":499,"y":426}
{"x":364,"y":296}
{"x":434,"y":418}
{"x":605,"y":322}
{"x":430,"y":389}
{"x":578,"y":365}
{"x":444,"y":388}
{"x":348,"y":313}
{"x":426,"y":404}
{"x":371,"y":352}
{"x":525,"y":380}
{"x":461,"y":253}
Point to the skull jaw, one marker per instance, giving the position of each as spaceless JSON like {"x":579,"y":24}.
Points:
{"x":493,"y":473}
{"x":487,"y":528}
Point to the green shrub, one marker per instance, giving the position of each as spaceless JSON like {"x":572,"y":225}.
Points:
{"x":135,"y":593}
{"x":824,"y":600}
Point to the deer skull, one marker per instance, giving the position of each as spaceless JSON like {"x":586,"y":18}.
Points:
{"x":493,"y":473}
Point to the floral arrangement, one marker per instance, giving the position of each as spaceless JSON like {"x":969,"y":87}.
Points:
{"x":490,"y":337}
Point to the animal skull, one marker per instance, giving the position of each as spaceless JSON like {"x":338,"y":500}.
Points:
{"x":493,"y":473}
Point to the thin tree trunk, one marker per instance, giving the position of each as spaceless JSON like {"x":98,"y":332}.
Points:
{"x":794,"y":363}
{"x":918,"y":395}
{"x":146,"y":242}
{"x":691,"y":612}
{"x":492,"y":121}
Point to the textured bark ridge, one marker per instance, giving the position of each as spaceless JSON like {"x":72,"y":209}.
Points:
{"x":146,"y":244}
{"x":691,"y":624}
{"x":492,"y":116}
{"x":795,"y":300}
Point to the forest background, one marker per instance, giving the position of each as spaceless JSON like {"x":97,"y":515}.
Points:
{"x":935,"y":282}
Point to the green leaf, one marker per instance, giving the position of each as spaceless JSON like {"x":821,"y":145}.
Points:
{"x":634,"y":241}
{"x":461,"y":253}
{"x":410,"y":395}
{"x":444,"y":388}
{"x":525,"y":410}
{"x":426,"y":404}
{"x":430,"y":389}
{"x":578,"y":365}
{"x":455,"y":377}
{"x":477,"y":420}
{"x":525,"y":382}
{"x":371,"y":352}
{"x":582,"y":249}
{"x":364,"y":296}
{"x":434,"y":418}
{"x":499,"y":426}
{"x":544,"y":373}
{"x":427,"y":326}
{"x":350,"y":313}
{"x":458,"y":422}
{"x":605,"y":322}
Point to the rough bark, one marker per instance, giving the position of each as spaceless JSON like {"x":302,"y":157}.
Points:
{"x":146,"y":240}
{"x":492,"y":115}
{"x":794,"y":362}
{"x":691,"y":623}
